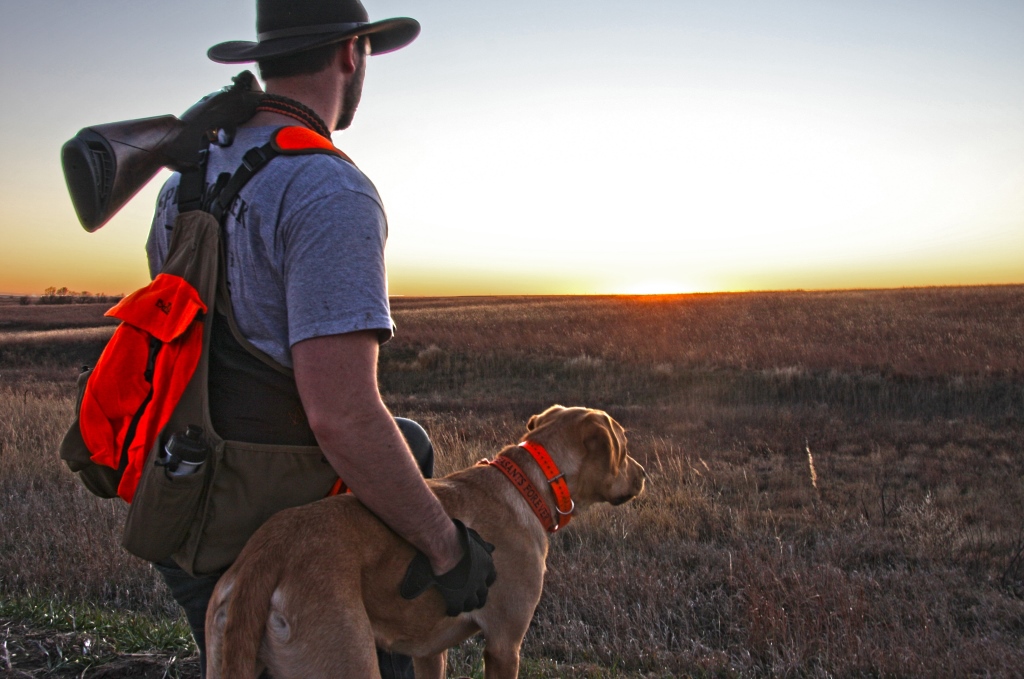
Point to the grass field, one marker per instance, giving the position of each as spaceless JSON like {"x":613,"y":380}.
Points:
{"x":836,"y":483}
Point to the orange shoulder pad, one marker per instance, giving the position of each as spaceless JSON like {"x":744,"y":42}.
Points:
{"x":295,"y":140}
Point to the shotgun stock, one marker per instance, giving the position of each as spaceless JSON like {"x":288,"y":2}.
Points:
{"x":105,"y":165}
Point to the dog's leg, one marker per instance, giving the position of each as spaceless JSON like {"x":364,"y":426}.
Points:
{"x":501,"y":650}
{"x":345,"y":657}
{"x":334,"y":641}
{"x":214,"y":630}
{"x":501,"y":662}
{"x":431,"y":667}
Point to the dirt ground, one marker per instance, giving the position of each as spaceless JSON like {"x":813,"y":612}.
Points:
{"x":27,"y":653}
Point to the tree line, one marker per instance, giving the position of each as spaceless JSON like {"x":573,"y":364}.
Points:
{"x":54,"y":295}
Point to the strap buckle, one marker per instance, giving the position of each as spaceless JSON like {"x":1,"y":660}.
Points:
{"x":254,"y":159}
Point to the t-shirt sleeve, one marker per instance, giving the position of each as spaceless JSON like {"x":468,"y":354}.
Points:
{"x":160,"y":230}
{"x":334,"y":274}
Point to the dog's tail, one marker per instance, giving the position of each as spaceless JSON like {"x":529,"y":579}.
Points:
{"x":244,"y":621}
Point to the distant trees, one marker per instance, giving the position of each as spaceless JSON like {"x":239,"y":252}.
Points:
{"x":53,"y":295}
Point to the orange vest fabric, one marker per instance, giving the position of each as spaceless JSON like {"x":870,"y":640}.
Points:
{"x":139,"y":378}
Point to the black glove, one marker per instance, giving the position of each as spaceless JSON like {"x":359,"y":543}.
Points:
{"x":464,"y":587}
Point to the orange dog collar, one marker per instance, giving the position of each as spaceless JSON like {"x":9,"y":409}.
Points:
{"x":556,"y":479}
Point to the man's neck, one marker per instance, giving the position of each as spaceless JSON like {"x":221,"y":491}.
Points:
{"x":312,"y":91}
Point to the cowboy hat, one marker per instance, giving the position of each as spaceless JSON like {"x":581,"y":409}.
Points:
{"x":285,"y":27}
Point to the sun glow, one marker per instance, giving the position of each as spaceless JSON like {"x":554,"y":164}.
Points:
{"x":658,"y":287}
{"x":687,"y":194}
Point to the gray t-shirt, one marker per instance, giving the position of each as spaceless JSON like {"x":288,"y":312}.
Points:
{"x":305,"y":243}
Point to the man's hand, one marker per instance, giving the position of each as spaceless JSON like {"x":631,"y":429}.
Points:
{"x":464,"y":587}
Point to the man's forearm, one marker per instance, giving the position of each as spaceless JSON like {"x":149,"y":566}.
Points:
{"x":337,"y":380}
{"x":368,"y":451}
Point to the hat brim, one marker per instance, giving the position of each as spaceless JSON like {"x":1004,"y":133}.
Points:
{"x":386,"y":36}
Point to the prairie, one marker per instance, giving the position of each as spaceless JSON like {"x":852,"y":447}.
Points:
{"x":836,"y":483}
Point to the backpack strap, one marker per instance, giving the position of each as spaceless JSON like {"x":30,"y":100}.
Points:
{"x":252,"y":162}
{"x":192,"y":184}
{"x":286,"y":141}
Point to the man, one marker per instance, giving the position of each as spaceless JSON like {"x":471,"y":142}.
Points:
{"x":305,"y":241}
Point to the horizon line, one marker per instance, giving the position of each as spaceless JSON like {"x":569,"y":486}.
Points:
{"x":646,"y":294}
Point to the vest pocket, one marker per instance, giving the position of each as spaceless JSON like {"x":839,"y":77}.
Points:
{"x":251,"y":482}
{"x":162,"y":511}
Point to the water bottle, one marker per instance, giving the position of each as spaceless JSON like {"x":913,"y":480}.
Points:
{"x":184,"y":453}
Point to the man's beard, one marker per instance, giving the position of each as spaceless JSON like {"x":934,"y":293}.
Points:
{"x":351,"y":96}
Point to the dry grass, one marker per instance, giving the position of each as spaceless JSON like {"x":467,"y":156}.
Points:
{"x":835,"y":478}
{"x":35,"y":338}
{"x":55,"y":535}
{"x":939,"y":331}
{"x":50,"y":317}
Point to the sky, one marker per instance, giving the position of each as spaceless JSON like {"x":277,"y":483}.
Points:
{"x":581,"y":146}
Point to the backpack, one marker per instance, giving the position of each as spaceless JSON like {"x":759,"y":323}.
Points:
{"x":151,"y":382}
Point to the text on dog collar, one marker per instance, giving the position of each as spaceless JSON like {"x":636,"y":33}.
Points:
{"x":556,"y":479}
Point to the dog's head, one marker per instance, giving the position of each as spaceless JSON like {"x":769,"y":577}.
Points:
{"x":589,"y":447}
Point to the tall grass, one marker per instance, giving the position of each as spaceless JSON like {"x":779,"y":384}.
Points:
{"x":55,"y":537}
{"x":834,"y":479}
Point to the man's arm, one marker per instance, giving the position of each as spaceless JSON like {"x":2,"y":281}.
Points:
{"x":337,"y":380}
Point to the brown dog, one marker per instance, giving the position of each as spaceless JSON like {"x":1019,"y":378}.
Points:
{"x":318,"y":586}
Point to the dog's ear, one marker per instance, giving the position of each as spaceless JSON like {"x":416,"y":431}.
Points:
{"x":535,"y":419}
{"x":603,"y":436}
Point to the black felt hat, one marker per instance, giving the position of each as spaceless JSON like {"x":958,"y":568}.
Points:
{"x":286,"y":27}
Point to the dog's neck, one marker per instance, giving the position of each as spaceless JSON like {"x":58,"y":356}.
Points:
{"x":530,"y":467}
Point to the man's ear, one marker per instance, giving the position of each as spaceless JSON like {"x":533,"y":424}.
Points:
{"x":346,"y":58}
